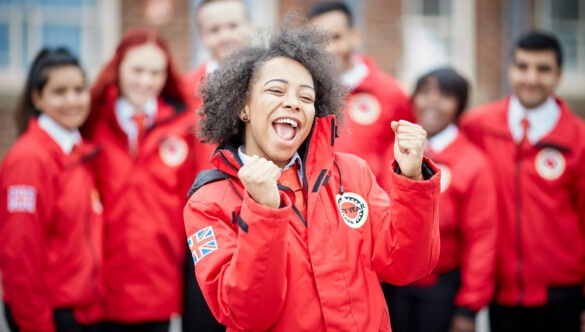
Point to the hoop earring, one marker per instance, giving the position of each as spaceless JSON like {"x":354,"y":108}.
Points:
{"x":245,"y":117}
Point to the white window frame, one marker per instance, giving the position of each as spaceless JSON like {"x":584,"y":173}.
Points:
{"x":458,"y":27}
{"x":93,"y":53}
{"x":573,"y":81}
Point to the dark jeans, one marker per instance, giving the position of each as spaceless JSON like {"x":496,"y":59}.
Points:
{"x":560,"y":314}
{"x":196,"y":313}
{"x":63,"y":318}
{"x":423,"y":309}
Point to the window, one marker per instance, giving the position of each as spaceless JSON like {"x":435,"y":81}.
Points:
{"x":28,"y":25}
{"x":437,"y":33}
{"x":566,"y":19}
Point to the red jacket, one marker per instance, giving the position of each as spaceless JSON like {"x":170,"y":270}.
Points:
{"x":269,"y":269}
{"x":541,"y":191}
{"x":468,"y":227}
{"x":143,"y":199}
{"x":50,"y":232}
{"x":192,"y":81}
{"x":371,"y":106}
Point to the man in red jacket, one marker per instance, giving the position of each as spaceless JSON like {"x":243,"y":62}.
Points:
{"x":222,"y":27}
{"x":375,"y":99}
{"x":537,"y":148}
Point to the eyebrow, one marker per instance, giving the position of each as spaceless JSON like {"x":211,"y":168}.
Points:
{"x":286,"y":82}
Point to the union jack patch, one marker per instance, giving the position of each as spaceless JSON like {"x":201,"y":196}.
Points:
{"x":202,"y":243}
{"x":22,"y":198}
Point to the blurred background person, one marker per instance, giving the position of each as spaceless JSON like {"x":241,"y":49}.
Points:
{"x":50,"y":210}
{"x":222,"y":26}
{"x":141,"y":117}
{"x":536,"y":146}
{"x":375,"y":99}
{"x":463,"y":281}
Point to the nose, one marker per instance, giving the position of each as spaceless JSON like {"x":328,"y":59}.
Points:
{"x":291,"y":102}
{"x":531,"y":75}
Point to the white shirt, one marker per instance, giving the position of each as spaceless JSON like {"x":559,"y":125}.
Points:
{"x":65,"y":138}
{"x":443,"y":139}
{"x":542,"y":119}
{"x":210,"y":66}
{"x":356,"y":74}
{"x":124,"y":112}
{"x":296,"y":158}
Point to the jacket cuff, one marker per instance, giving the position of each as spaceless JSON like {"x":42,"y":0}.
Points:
{"x":427,"y":169}
{"x":465,"y":312}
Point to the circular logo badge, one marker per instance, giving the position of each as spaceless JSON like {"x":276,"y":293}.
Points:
{"x":173,"y":151}
{"x":445,"y":177}
{"x":550,"y":163}
{"x":353,"y":209}
{"x":364,"y":108}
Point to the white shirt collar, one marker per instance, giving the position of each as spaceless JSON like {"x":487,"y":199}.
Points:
{"x":543,"y":119}
{"x":125,"y":110}
{"x":356,"y":74}
{"x":296,"y":158}
{"x":210,"y":66}
{"x":444,"y":138}
{"x":65,"y":138}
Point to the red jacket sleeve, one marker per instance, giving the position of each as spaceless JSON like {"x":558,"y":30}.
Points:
{"x":244,"y":279}
{"x":25,"y":206}
{"x":406,"y":239}
{"x":479,"y":228}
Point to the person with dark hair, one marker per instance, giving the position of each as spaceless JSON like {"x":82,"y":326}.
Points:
{"x":141,"y":117}
{"x":536,"y":146}
{"x":222,"y":27}
{"x":375,"y":99}
{"x":463,"y":281}
{"x":286,"y":234}
{"x":50,"y":210}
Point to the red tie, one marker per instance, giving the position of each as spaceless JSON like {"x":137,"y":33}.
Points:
{"x":76,"y":149}
{"x":290,"y":178}
{"x":525,"y":124}
{"x":139,"y":117}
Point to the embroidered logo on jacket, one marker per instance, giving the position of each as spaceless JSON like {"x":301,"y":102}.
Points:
{"x":173,"y":151}
{"x":22,"y":198}
{"x":202,"y":243}
{"x":353,"y":209}
{"x":550,"y":164}
{"x":364,"y":109}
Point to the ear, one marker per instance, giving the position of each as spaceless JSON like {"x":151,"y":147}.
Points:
{"x":37,"y":100}
{"x":244,"y":114}
{"x":356,"y":39}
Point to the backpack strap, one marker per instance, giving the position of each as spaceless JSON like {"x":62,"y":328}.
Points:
{"x":204,"y":177}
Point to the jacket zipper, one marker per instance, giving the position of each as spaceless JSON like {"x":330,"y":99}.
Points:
{"x":518,"y":223}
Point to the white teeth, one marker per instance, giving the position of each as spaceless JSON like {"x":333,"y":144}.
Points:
{"x":291,"y":122}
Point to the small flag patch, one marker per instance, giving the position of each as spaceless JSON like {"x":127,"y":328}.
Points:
{"x":202,"y":243}
{"x":22,"y":198}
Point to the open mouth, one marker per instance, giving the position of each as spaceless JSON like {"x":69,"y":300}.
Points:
{"x":286,"y":128}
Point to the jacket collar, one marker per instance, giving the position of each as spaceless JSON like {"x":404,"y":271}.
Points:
{"x":316,"y":152}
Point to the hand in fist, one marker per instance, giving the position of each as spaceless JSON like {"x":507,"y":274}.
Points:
{"x":259,"y":177}
{"x":408,"y":148}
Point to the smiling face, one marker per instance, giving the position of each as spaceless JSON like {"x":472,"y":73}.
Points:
{"x":65,"y":97}
{"x":343,"y":37}
{"x":534,"y":76}
{"x":223,"y":27}
{"x":143,"y":73}
{"x":434,"y":110}
{"x":280,"y":110}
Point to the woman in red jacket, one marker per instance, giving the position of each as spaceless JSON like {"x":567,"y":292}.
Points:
{"x":142,"y":121}
{"x":287,"y":235}
{"x":50,"y":212}
{"x":463,"y":281}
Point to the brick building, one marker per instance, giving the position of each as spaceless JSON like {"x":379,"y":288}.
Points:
{"x":405,"y":37}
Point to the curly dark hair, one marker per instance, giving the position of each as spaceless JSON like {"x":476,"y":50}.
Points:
{"x":225,"y":92}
